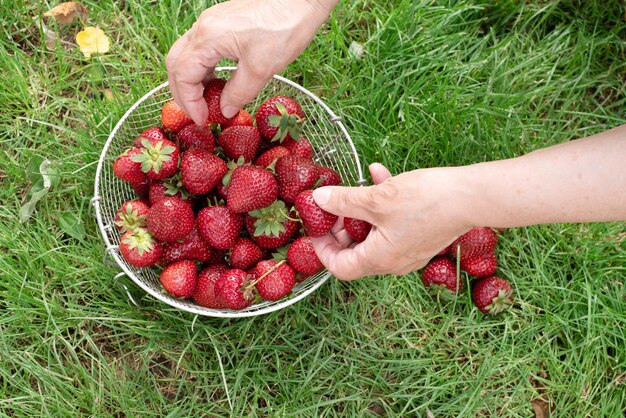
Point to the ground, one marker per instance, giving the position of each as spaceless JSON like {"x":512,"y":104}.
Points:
{"x":439,"y":84}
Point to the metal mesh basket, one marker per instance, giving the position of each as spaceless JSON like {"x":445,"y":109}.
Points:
{"x":323,"y":128}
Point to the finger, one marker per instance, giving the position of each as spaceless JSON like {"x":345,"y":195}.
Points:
{"x":246,"y":83}
{"x":192,"y":67}
{"x":343,"y":263}
{"x":172,"y":59}
{"x":379,"y":173}
{"x":350,"y":202}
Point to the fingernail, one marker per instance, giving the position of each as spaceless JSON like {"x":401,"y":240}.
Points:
{"x":322,"y":196}
{"x":229,"y":111}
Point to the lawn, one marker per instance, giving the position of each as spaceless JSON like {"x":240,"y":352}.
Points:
{"x":440,"y":83}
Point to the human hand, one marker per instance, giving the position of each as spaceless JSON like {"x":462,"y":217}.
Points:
{"x":264,"y":36}
{"x":414,"y":216}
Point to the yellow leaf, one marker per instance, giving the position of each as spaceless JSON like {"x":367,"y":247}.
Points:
{"x":67,"y":12}
{"x":92,"y":41}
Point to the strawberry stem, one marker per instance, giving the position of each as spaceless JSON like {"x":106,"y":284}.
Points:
{"x":253,"y":283}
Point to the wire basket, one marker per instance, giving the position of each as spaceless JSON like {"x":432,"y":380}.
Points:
{"x":323,"y":128}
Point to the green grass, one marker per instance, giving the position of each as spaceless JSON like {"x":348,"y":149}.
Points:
{"x":441,"y":83}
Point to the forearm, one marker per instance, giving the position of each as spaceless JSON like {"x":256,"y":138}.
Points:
{"x":578,"y":181}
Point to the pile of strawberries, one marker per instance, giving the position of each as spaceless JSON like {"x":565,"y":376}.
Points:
{"x":475,"y":253}
{"x":226,"y":210}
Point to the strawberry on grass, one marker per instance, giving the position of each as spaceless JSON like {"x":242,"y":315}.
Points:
{"x":481,"y":266}
{"x":440,"y":277}
{"x":474,"y":243}
{"x":492,"y":295}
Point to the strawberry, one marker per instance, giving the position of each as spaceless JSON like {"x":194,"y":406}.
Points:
{"x":445,"y":251}
{"x":128,"y":170}
{"x":139,"y":248}
{"x":131,"y":215}
{"x":295,"y":174}
{"x":481,"y":266}
{"x":171,"y":187}
{"x":301,"y":147}
{"x":251,"y":188}
{"x":194,"y":136}
{"x":474,"y":243}
{"x":242,"y":118}
{"x":204,"y":295}
{"x":279,"y":119}
{"x":219,"y":226}
{"x":302,"y":257}
{"x":440,"y":277}
{"x":142,"y":189}
{"x":357,"y":229}
{"x":212,"y":93}
{"x":201,"y":170}
{"x":192,"y":247}
{"x":274,"y":279}
{"x":170,"y":219}
{"x":238,"y":141}
{"x":153,"y":133}
{"x":230,"y":289}
{"x":245,"y":254}
{"x":173,"y":117}
{"x":328,"y":177}
{"x":217,"y":257}
{"x":271,"y":156}
{"x":159,"y":158}
{"x":180,"y":278}
{"x":316,"y":221}
{"x":270,"y":227}
{"x":492,"y":295}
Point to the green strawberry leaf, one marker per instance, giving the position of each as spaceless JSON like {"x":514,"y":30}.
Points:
{"x":274,"y":120}
{"x":72,"y":225}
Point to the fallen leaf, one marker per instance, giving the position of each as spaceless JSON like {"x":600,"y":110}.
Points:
{"x":67,"y":12}
{"x":429,"y":413}
{"x":356,"y":50}
{"x":42,"y":178}
{"x":541,"y":408}
{"x":72,"y":225}
{"x":92,"y":40}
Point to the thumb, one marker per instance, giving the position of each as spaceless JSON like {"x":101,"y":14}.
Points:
{"x":244,"y":85}
{"x":351,"y":202}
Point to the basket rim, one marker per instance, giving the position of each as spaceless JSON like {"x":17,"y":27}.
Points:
{"x":112,"y":249}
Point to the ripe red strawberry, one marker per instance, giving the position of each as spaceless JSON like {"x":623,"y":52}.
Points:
{"x":131,"y":215}
{"x":492,"y":295}
{"x":219,"y":226}
{"x":153,"y":133}
{"x":279,"y":119}
{"x":301,"y":147}
{"x":242,"y":118}
{"x":245,"y":254}
{"x":270,"y":227}
{"x":274,"y":279}
{"x":238,"y":141}
{"x":126,"y":169}
{"x":316,"y":221}
{"x":194,"y":136}
{"x":139,"y":248}
{"x":302,"y":257}
{"x":445,"y":251}
{"x":192,"y":247}
{"x":357,"y":229}
{"x":180,"y":278}
{"x":159,"y":159}
{"x":170,"y":187}
{"x":295,"y":174}
{"x":212,"y":93}
{"x":481,"y":266}
{"x":328,"y":177}
{"x":170,"y":219}
{"x":204,"y":295}
{"x":142,"y":189}
{"x":271,"y":156}
{"x":173,"y":117}
{"x":217,"y":257}
{"x":201,"y":170}
{"x":476,"y":242}
{"x":230,"y":289}
{"x":440,"y":277}
{"x":251,"y":188}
